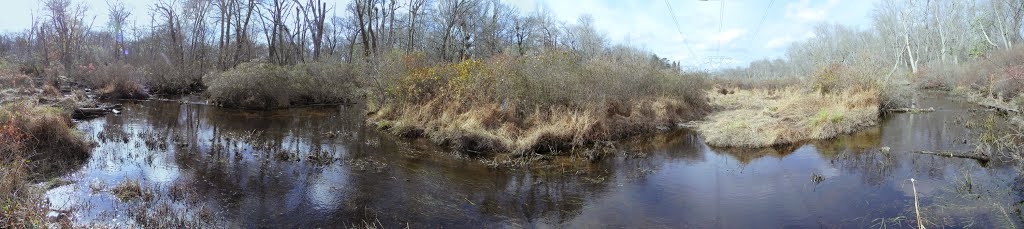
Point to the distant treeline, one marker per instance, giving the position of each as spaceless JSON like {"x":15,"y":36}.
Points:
{"x":186,"y":39}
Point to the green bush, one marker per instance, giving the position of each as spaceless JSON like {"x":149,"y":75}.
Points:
{"x":267,"y":86}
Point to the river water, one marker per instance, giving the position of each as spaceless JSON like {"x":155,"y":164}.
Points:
{"x":249,"y":169}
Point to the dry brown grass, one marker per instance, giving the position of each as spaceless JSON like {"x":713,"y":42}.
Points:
{"x":21,"y":204}
{"x":35,"y":141}
{"x":129,"y":190}
{"x":487,"y":128}
{"x":760,"y":118}
{"x":50,"y":90}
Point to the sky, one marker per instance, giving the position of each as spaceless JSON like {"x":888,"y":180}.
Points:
{"x":706,"y":33}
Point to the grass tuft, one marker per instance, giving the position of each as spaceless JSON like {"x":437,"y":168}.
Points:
{"x":129,"y":190}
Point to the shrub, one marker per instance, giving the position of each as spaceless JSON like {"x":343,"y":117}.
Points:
{"x":114,"y":81}
{"x":999,"y":74}
{"x":267,"y":86}
{"x":165,"y":78}
{"x":123,"y":89}
{"x":939,"y":76}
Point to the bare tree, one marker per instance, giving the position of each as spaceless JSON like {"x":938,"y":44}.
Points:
{"x":319,"y":18}
{"x":523,"y":29}
{"x":415,"y":7}
{"x":495,"y":29}
{"x":453,"y":15}
{"x":69,"y":29}
{"x":118,"y":18}
{"x":234,"y":43}
{"x":277,"y":33}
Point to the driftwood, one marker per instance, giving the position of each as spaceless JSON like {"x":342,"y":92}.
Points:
{"x":912,"y":110}
{"x":997,"y":106}
{"x":968,"y":154}
{"x":93,"y":112}
{"x":688,"y":125}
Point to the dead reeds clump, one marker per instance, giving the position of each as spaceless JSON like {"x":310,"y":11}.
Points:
{"x":129,"y":190}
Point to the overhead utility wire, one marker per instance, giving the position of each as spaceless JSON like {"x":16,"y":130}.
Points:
{"x":672,"y":13}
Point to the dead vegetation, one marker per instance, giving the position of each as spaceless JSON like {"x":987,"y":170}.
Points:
{"x":114,"y":81}
{"x":761,"y":117}
{"x":129,"y":190}
{"x":266,"y":86}
{"x":544,"y":103}
{"x":35,"y":142}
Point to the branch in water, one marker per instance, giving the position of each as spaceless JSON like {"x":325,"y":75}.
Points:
{"x":969,"y":155}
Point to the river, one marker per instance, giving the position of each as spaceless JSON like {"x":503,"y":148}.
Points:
{"x":253,"y":169}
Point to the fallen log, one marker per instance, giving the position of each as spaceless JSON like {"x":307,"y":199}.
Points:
{"x":83,"y":113}
{"x":93,"y":112}
{"x":912,"y":110}
{"x":998,"y":106}
{"x":968,"y":155}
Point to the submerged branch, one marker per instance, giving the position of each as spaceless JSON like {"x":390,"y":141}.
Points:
{"x":912,"y":110}
{"x":969,"y":155}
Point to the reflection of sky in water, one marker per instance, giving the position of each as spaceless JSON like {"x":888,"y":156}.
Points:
{"x":325,"y":191}
{"x":679,"y":183}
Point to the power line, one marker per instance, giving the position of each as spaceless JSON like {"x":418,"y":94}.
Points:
{"x":679,"y":29}
{"x":763,"y":17}
{"x":721,"y":21}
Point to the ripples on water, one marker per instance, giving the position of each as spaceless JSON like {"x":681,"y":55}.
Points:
{"x":247,"y":169}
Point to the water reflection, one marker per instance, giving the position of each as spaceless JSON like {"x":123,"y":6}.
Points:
{"x":321,"y":167}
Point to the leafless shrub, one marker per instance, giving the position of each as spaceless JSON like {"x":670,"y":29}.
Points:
{"x":117,"y":81}
{"x":267,"y":86}
{"x":554,"y":100}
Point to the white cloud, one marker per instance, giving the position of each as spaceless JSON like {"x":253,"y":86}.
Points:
{"x":728,"y":36}
{"x":808,"y":11}
{"x":781,"y":42}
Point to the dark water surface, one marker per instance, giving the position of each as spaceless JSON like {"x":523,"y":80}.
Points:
{"x":254,"y":169}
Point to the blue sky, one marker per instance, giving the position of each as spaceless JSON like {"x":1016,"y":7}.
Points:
{"x":646,"y":24}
